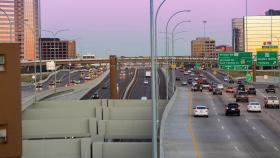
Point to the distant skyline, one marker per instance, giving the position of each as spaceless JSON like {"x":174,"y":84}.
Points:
{"x":122,"y":27}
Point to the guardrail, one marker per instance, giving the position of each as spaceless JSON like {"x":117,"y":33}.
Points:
{"x":130,"y":84}
{"x":163,"y":119}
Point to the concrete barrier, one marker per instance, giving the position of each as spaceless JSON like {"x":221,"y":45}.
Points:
{"x":130,"y":84}
{"x":163,"y":120}
{"x":122,"y":150}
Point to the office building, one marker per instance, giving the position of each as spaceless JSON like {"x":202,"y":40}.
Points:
{"x":203,"y":47}
{"x":238,"y":34}
{"x":54,"y":48}
{"x":272,"y":12}
{"x":10,"y":92}
{"x":23,"y":15}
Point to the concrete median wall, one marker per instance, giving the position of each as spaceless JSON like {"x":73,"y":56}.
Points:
{"x":122,"y":150}
{"x":121,"y":129}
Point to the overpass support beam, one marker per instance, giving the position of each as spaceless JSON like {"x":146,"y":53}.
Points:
{"x":113,"y":77}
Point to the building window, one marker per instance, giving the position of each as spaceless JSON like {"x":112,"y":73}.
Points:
{"x":3,"y":134}
{"x":2,"y":63}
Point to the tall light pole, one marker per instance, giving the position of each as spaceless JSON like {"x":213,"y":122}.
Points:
{"x":39,"y":36}
{"x":166,"y":44}
{"x":54,"y":34}
{"x":154,"y":103}
{"x":10,"y":23}
{"x":204,"y":28}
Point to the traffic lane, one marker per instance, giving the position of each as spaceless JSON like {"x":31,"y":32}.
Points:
{"x":123,"y":83}
{"x":162,"y":85}
{"x":260,"y":134}
{"x":139,"y":89}
{"x":254,"y":141}
{"x":212,"y":140}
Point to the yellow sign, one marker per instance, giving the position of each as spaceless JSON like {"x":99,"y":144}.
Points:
{"x":267,"y":49}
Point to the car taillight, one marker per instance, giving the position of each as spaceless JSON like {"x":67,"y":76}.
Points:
{"x":196,"y":110}
{"x":206,"y":110}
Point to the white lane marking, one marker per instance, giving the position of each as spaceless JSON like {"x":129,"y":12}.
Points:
{"x":223,"y":128}
{"x":254,"y":128}
{"x":276,"y":148}
{"x":219,"y":120}
{"x":263,"y":136}
{"x":236,"y":148}
{"x":228,"y":137}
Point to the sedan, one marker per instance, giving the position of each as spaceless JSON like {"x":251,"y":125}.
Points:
{"x":254,"y":107}
{"x":200,"y":110}
{"x":146,"y":82}
{"x":184,"y":83}
{"x":230,"y":90}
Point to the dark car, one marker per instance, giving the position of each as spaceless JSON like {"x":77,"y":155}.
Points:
{"x":52,"y":83}
{"x":241,"y":87}
{"x":95,"y":96}
{"x":189,"y":81}
{"x":232,"y":109}
{"x":196,"y":87}
{"x":239,"y":82}
{"x":105,"y":86}
{"x":252,"y":91}
{"x":217,"y":91}
{"x":178,"y":79}
{"x":242,"y":96}
{"x":270,"y":88}
{"x":231,"y":81}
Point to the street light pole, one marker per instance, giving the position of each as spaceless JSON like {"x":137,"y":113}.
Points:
{"x":167,"y":49}
{"x":154,"y":106}
{"x":204,"y":28}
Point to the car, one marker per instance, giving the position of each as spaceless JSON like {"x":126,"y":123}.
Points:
{"x":196,"y":87}
{"x":254,"y":106}
{"x":196,"y":78}
{"x":241,"y":87}
{"x":186,"y":73}
{"x":146,"y":82}
{"x":200,"y":110}
{"x":178,"y":78}
{"x":52,"y":83}
{"x":87,"y":78}
{"x":220,"y":86}
{"x":239,"y":81}
{"x":189,"y":71}
{"x":226,"y":79}
{"x":231,"y":81}
{"x":242,"y":96}
{"x":232,"y":109}
{"x":192,"y":74}
{"x":39,"y":86}
{"x":217,"y":91}
{"x":270,"y":88}
{"x":189,"y":81}
{"x":105,"y":86}
{"x":144,"y":98}
{"x":271,"y":102}
{"x":251,"y":91}
{"x":95,"y":96}
{"x":194,"y":83}
{"x":184,"y":83}
{"x":205,"y":85}
{"x":230,"y":90}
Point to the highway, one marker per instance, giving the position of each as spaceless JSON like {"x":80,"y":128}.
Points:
{"x":140,"y":89}
{"x":251,"y":135}
{"x":104,"y":91}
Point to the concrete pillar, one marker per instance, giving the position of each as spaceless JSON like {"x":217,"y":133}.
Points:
{"x":113,"y":77}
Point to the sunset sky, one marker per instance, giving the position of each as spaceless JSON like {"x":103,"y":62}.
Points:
{"x":121,"y":27}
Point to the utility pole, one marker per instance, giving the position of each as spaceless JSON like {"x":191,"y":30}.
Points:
{"x":113,"y":77}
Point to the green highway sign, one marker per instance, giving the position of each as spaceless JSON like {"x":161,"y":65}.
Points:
{"x":234,"y":67}
{"x":267,"y":58}
{"x":235,"y":58}
{"x":249,"y":77}
{"x":198,"y":66}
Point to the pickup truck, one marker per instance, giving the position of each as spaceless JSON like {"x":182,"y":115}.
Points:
{"x":271,"y":102}
{"x":242,"y":96}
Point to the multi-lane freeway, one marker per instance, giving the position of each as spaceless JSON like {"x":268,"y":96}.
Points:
{"x":251,"y":135}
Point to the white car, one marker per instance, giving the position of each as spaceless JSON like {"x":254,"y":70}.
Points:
{"x":194,"y":83}
{"x":220,"y":86}
{"x":254,"y":107}
{"x":144,"y":98}
{"x":87,"y":78}
{"x":186,"y":73}
{"x":226,"y":79}
{"x":192,"y":74}
{"x":189,"y":71}
{"x":146,"y":82}
{"x":196,"y":78}
{"x":184,"y":83}
{"x":200,"y":110}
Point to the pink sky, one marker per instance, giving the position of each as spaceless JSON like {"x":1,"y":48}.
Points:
{"x":122,"y":26}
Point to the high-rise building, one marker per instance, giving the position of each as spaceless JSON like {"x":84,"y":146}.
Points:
{"x":23,"y":15}
{"x":223,"y":48}
{"x":272,"y":12}
{"x":54,"y":48}
{"x":238,"y":34}
{"x":203,"y":47}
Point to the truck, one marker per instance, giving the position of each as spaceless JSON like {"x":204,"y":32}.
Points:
{"x":148,"y":73}
{"x":271,"y":102}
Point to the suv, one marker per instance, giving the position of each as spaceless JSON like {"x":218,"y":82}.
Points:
{"x":241,"y":87}
{"x":242,"y":96}
{"x":217,"y":91}
{"x":271,"y":102}
{"x":270,"y":88}
{"x":189,"y":81}
{"x":232,"y":108}
{"x":197,"y":87}
{"x":252,"y":91}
